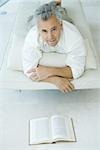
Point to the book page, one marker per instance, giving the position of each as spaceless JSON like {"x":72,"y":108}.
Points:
{"x":58,"y":126}
{"x":71,"y":135}
{"x":62,"y":128}
{"x":39,"y":130}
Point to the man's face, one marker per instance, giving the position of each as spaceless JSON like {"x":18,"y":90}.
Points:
{"x":50,"y":30}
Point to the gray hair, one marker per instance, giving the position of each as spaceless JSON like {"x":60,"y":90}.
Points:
{"x":45,"y":11}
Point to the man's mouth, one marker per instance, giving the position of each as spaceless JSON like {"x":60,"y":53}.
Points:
{"x":52,"y":41}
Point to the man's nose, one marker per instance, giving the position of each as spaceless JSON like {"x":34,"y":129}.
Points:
{"x":50,"y":35}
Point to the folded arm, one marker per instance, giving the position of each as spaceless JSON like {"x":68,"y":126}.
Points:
{"x":56,"y":76}
{"x":43,"y":72}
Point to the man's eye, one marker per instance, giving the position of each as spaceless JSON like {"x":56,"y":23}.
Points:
{"x":44,"y":31}
{"x":54,"y":29}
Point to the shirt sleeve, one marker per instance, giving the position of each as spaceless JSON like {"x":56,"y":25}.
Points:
{"x":31,"y":52}
{"x":76,"y":58}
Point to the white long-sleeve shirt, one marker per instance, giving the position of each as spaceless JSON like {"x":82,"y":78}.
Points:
{"x":70,"y":43}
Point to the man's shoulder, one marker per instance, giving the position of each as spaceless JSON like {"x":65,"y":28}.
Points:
{"x":70,"y":30}
{"x":67,"y":26}
{"x":33,"y":31}
{"x":32,"y":35}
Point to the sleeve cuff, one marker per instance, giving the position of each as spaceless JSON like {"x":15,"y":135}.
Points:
{"x":77,"y":72}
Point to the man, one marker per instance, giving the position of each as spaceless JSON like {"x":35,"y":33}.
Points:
{"x":52,"y":34}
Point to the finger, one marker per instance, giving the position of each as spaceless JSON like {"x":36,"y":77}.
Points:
{"x":35,"y":78}
{"x":31,"y":70}
{"x":68,"y":89}
{"x":62,"y":90}
{"x":33,"y":74}
{"x":71,"y":86}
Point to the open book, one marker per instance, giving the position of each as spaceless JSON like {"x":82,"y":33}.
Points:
{"x":52,"y":129}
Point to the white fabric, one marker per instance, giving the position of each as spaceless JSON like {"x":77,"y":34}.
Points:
{"x":90,"y":57}
{"x":70,"y":43}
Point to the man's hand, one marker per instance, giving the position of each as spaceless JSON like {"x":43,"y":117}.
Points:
{"x":40,"y":73}
{"x":63,"y":84}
